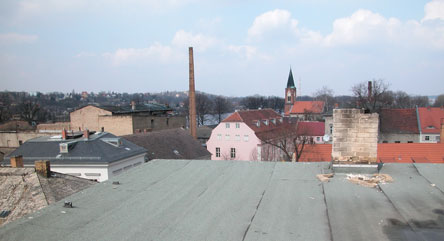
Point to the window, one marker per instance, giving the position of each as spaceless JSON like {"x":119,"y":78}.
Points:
{"x":427,"y":138}
{"x":273,"y":121}
{"x":410,"y":142}
{"x":281,"y":120}
{"x":289,"y":97}
{"x":217,"y":151}
{"x":384,"y":141}
{"x":219,"y":136}
{"x":331,"y":129}
{"x":237,"y":137}
{"x":318,"y":138}
{"x":227,"y":137}
{"x":266,"y":122}
{"x":233,"y":153}
{"x":397,"y":142}
{"x":245,"y":137}
{"x":258,"y":123}
{"x":227,"y":125}
{"x":237,"y":125}
{"x":437,"y":138}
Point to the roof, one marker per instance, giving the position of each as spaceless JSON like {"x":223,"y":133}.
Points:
{"x":99,"y":149}
{"x":24,"y":192}
{"x":290,"y":82}
{"x":16,"y":125}
{"x":169,"y":144}
{"x":302,"y":107}
{"x":311,"y":128}
{"x":387,"y":152}
{"x":401,"y":121}
{"x":430,"y":118}
{"x":139,"y":108}
{"x":236,"y":200}
{"x":250,"y":117}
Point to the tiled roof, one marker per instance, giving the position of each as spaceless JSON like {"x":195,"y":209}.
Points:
{"x":301,"y":107}
{"x":402,"y":121}
{"x":430,"y":119}
{"x":169,"y":144}
{"x":411,"y":152}
{"x":387,"y":152}
{"x":251,"y":117}
{"x":311,"y":128}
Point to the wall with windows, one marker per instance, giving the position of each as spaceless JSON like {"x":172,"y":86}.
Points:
{"x":234,"y":140}
{"x":430,"y":138}
{"x":398,"y":138}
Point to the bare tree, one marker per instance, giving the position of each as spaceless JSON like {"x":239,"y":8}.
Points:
{"x":372,"y":97}
{"x":327,"y":95}
{"x":221,"y":106}
{"x":203,"y":108}
{"x":29,"y":111}
{"x":289,"y":139}
{"x":439,"y":102}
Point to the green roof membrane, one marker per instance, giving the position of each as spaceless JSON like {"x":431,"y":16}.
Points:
{"x":242,"y":200}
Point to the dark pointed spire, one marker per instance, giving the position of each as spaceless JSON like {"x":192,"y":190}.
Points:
{"x":290,"y":83}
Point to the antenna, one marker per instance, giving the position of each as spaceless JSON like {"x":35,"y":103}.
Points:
{"x":299,"y":87}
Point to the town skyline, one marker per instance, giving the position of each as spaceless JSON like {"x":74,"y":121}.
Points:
{"x":241,"y":49}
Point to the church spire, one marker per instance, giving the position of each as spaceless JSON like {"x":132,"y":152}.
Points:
{"x":290,"y":83}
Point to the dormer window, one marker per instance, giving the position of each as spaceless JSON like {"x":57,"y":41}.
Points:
{"x":258,"y":123}
{"x":280,"y":120}
{"x":430,"y":127}
{"x":273,"y":121}
{"x":265,"y":122}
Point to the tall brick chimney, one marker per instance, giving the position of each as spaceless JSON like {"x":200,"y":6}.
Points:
{"x":192,"y":97}
{"x":17,"y":161}
{"x":370,"y":91}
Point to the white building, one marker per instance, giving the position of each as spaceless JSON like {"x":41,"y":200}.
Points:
{"x":96,"y":156}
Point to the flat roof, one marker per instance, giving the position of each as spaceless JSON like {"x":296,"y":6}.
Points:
{"x":242,"y":200}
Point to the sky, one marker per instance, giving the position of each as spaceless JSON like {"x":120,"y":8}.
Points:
{"x":240,"y":47}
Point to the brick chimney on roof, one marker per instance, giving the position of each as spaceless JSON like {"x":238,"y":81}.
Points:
{"x":16,"y":161}
{"x":192,"y":97}
{"x":64,"y":134}
{"x":86,"y":134}
{"x":43,"y":168}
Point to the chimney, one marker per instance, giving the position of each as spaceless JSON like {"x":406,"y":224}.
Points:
{"x":17,"y":161}
{"x":64,"y":134}
{"x":441,"y":139}
{"x":133,"y":105}
{"x":336,"y":105}
{"x":192,"y":97}
{"x":43,"y":168}
{"x":86,"y":134}
{"x":369,"y":91}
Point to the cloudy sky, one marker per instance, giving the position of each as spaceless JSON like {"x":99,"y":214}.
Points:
{"x":240,"y":47}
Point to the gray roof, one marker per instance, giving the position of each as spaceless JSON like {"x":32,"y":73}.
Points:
{"x":139,"y":108}
{"x":169,"y":144}
{"x":22,"y":191}
{"x":96,"y":149}
{"x":241,"y":200}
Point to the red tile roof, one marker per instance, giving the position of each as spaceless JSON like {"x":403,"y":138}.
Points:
{"x":311,"y":128}
{"x":251,"y":117}
{"x":430,"y":119}
{"x":402,"y":121}
{"x":387,"y":152}
{"x":301,"y":107}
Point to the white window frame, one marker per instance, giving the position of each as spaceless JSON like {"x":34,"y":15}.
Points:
{"x":219,"y":136}
{"x":227,"y":137}
{"x":227,"y":125}
{"x":237,"y":125}
{"x":246,"y":138}
{"x":217,"y":151}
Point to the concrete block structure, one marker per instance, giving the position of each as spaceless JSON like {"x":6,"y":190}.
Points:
{"x":355,"y":135}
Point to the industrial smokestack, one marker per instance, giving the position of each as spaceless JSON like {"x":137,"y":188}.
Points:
{"x":192,"y":97}
{"x":369,"y":91}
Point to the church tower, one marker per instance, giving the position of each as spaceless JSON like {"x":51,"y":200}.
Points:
{"x":290,"y":93}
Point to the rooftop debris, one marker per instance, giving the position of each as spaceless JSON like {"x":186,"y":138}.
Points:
{"x":369,"y":181}
{"x":325,"y":177}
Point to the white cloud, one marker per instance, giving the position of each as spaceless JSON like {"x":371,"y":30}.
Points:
{"x":272,"y":20}
{"x":199,"y":41}
{"x":16,"y":38}
{"x":247,"y":51}
{"x":155,"y":52}
{"x":434,"y":10}
{"x":363,"y":26}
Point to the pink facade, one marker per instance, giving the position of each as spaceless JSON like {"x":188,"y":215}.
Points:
{"x":237,"y":135}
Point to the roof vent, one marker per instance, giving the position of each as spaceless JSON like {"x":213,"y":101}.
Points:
{"x":63,"y":147}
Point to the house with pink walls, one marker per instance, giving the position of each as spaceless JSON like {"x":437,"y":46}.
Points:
{"x":241,"y":136}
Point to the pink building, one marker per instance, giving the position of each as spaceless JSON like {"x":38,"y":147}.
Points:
{"x":242,"y":135}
